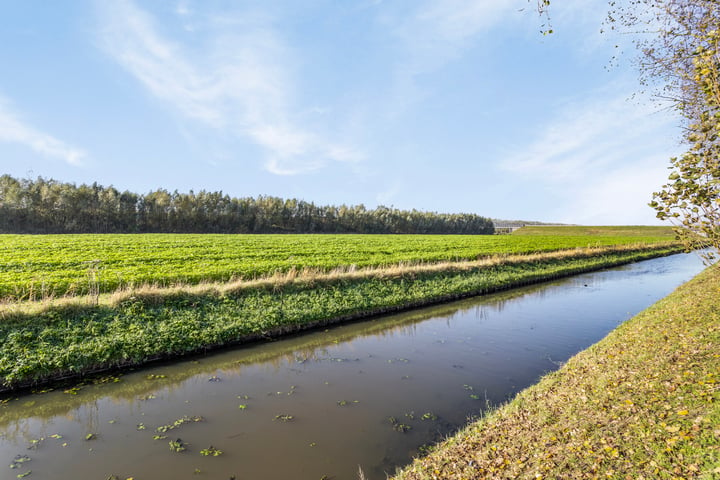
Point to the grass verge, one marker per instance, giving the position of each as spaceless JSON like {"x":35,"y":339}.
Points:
{"x":73,"y":339}
{"x":642,"y":403}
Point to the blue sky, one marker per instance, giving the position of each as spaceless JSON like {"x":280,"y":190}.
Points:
{"x":440,"y":105}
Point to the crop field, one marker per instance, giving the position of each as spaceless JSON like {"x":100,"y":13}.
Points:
{"x":41,"y":266}
{"x":605,"y":231}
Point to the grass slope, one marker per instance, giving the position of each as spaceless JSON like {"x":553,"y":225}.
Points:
{"x":643,"y":403}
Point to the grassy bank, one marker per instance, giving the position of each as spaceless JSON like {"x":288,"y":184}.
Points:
{"x":74,"y":338}
{"x":642,"y":403}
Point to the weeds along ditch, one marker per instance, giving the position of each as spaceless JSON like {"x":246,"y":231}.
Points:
{"x":78,"y":339}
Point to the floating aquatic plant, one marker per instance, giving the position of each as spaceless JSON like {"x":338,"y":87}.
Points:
{"x":19,"y":460}
{"x":179,"y":422}
{"x":397,"y":426}
{"x":211,"y":452}
{"x":177,"y":445}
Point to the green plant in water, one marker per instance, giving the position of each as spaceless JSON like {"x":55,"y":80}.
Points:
{"x":177,"y":445}
{"x":211,"y":452}
{"x":19,"y":460}
{"x":284,"y":417}
{"x":397,"y":426}
{"x":177,"y":423}
{"x":35,"y":442}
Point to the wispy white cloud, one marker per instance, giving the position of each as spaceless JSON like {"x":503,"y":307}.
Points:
{"x":14,"y":130}
{"x":604,"y":157}
{"x":432,"y":34}
{"x":438,"y":31}
{"x":238,"y":83}
{"x":620,"y":197}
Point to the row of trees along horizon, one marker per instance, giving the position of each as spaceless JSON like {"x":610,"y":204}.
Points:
{"x":48,"y":206}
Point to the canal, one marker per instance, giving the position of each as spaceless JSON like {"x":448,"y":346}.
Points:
{"x":368,"y":395}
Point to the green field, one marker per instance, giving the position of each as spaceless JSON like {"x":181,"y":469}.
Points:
{"x":40,"y":266}
{"x":605,"y":231}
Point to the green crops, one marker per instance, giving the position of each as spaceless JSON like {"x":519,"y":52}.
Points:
{"x":40,"y":266}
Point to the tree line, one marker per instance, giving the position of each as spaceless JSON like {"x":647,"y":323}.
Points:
{"x":48,"y":206}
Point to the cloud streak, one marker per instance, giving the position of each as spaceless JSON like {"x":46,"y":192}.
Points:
{"x":14,"y":130}
{"x":238,"y":84}
{"x":438,"y":32}
{"x":603,"y":157}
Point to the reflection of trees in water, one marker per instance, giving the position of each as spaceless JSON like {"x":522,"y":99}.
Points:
{"x":34,"y":431}
{"x":296,"y":350}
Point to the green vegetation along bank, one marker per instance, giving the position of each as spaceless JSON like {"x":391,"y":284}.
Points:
{"x":643,"y":403}
{"x":130,"y":328}
{"x":36,"y":267}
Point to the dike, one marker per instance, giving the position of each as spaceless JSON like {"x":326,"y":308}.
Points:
{"x":643,"y":403}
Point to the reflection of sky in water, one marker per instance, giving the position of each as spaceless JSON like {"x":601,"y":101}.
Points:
{"x":339,"y":385}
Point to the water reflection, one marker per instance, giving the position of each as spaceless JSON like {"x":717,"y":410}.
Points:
{"x":370,"y":393}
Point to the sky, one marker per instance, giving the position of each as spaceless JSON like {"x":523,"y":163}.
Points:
{"x":438,"y":105}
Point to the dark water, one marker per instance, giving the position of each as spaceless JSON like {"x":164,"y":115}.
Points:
{"x":430,"y":370}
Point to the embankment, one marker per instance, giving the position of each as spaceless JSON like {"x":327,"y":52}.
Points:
{"x":642,"y":403}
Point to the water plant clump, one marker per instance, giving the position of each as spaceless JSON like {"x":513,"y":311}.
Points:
{"x":398,"y":426}
{"x":19,"y":461}
{"x":211,"y":452}
{"x":178,"y":423}
{"x":177,"y":445}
